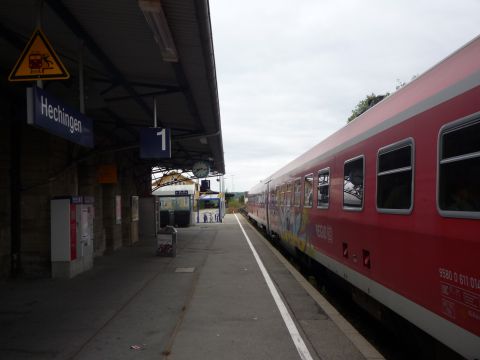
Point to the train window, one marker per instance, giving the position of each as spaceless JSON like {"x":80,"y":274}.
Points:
{"x":323,"y":188}
{"x":459,"y":169}
{"x":296,"y":192}
{"x":395,"y":178}
{"x":289,"y":194}
{"x":271,"y":198}
{"x":308,"y":191}
{"x":353,"y":171}
{"x":277,"y":196}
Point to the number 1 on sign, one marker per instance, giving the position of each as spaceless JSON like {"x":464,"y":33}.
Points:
{"x":164,"y":140}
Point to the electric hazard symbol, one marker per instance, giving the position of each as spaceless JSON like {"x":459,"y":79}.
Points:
{"x":38,"y":61}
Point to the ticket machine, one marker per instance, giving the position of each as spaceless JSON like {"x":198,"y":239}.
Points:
{"x":71,"y":235}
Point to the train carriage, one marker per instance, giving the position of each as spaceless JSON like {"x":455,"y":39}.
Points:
{"x":391,"y":202}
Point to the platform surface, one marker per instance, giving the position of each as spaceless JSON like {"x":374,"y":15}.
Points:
{"x":209,"y":302}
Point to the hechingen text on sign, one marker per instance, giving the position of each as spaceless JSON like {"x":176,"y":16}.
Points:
{"x":52,"y":115}
{"x":60,"y":115}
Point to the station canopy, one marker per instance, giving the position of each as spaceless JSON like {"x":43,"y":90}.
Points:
{"x":133,"y":51}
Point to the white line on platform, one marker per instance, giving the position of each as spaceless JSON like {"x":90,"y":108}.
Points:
{"x":292,"y":328}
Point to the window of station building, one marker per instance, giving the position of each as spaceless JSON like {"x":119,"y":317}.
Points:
{"x":308,"y":191}
{"x":323,"y":189}
{"x":395,"y":178}
{"x":459,"y":169}
{"x":353,"y":176}
{"x":296,"y":192}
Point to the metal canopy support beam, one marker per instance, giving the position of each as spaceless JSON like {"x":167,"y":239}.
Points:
{"x":119,"y":120}
{"x":182,"y":80}
{"x":108,"y":89}
{"x":182,"y":133}
{"x":12,"y":37}
{"x":182,"y":149}
{"x":140,"y":84}
{"x":73,"y":24}
{"x":150,"y":94}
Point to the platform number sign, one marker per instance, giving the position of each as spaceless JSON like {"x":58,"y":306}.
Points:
{"x":155,"y":143}
{"x":163,"y":139}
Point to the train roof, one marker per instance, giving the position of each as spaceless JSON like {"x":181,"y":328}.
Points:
{"x":454,"y":75}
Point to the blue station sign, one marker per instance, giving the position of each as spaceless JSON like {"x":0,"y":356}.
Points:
{"x":50,"y":114}
{"x":155,"y":143}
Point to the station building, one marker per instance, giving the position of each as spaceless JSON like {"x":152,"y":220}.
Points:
{"x":103,"y":73}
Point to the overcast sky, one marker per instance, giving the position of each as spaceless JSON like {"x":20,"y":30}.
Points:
{"x":290,"y":72}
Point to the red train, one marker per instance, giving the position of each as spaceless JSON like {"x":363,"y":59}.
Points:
{"x":391,"y":202}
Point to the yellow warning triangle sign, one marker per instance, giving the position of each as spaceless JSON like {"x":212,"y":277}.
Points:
{"x":38,"y":61}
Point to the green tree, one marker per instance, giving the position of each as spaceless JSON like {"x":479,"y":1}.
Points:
{"x":365,"y":104}
{"x":372,"y":99}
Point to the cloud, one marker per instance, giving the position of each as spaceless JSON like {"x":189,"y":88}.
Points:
{"x":289,"y":74}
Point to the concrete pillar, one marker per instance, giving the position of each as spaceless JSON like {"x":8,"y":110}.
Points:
{"x":112,"y":225}
{"x":130,"y":226}
{"x":89,"y":186}
{"x":5,"y":194}
{"x":111,"y":194}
